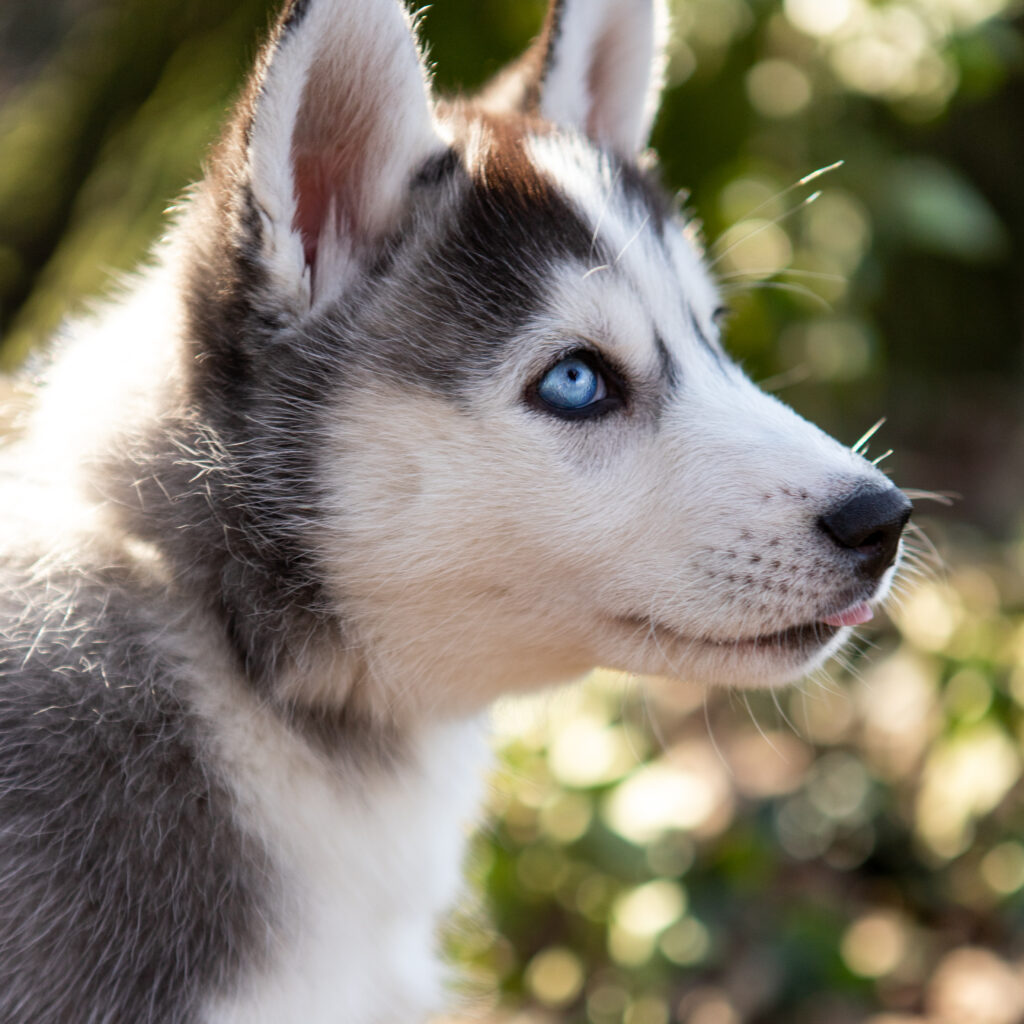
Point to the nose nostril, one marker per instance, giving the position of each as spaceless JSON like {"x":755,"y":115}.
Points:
{"x":870,"y":542}
{"x":869,"y":524}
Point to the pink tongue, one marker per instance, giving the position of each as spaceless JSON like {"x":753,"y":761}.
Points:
{"x":851,"y":617}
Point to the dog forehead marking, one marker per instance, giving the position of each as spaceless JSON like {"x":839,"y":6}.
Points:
{"x":666,"y":273}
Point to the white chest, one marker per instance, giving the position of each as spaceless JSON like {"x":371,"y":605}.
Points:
{"x":366,"y":866}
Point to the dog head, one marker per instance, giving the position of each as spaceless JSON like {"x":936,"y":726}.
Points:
{"x":481,"y":350}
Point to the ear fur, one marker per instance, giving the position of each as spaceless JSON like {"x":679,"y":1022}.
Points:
{"x":597,"y":66}
{"x":340,"y":117}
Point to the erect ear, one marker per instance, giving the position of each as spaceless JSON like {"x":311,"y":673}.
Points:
{"x":598,"y":65}
{"x":337,"y":118}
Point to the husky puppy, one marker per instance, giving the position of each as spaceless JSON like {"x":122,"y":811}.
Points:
{"x":422,"y":402}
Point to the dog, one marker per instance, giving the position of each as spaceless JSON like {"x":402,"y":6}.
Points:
{"x":421,"y":402}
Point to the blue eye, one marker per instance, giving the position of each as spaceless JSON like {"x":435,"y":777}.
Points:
{"x":571,"y":385}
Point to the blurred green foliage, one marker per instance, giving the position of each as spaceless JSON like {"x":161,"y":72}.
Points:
{"x":849,"y":851}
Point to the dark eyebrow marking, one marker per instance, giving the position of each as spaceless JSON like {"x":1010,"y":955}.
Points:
{"x":669,"y":367}
{"x":704,"y":339}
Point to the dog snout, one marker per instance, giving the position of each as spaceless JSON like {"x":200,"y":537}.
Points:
{"x":868,"y":524}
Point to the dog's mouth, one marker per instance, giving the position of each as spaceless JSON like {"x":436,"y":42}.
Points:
{"x":794,"y":640}
{"x":802,"y":639}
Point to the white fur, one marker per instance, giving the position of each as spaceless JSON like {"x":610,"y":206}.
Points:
{"x":606,"y":70}
{"x":364,"y":866}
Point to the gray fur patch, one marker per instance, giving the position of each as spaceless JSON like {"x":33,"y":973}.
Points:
{"x":128,"y":893}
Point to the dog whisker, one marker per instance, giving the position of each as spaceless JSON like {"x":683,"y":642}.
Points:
{"x":781,"y":286}
{"x":760,"y":229}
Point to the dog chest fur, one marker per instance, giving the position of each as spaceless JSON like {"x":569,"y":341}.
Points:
{"x":365,"y":858}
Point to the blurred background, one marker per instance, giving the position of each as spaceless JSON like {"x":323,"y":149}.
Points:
{"x":851,"y":850}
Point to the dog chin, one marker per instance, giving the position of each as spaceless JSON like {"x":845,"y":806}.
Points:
{"x":771,"y":666}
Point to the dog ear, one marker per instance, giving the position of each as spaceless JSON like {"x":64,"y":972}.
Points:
{"x":336,"y":120}
{"x":598,"y":66}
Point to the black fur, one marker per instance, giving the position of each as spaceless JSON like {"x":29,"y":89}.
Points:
{"x":721,"y":360}
{"x":437,"y":169}
{"x":549,"y":41}
{"x":670,"y":369}
{"x":644,"y":188}
{"x":485,"y":278}
{"x":293,"y":15}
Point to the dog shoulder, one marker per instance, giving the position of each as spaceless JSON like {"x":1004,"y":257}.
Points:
{"x":126,"y":883}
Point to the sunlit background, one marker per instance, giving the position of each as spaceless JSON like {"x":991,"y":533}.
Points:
{"x":851,"y":851}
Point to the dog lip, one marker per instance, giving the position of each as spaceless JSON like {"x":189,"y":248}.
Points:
{"x":802,"y":635}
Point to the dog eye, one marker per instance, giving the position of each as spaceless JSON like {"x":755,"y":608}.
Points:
{"x":571,"y":384}
{"x":576,"y":387}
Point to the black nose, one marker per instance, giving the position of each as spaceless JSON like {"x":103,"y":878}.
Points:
{"x":869,"y":524}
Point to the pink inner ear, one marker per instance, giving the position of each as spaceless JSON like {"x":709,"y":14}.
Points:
{"x":617,"y":81}
{"x":598,"y":73}
{"x":312,"y":201}
{"x":329,"y":164}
